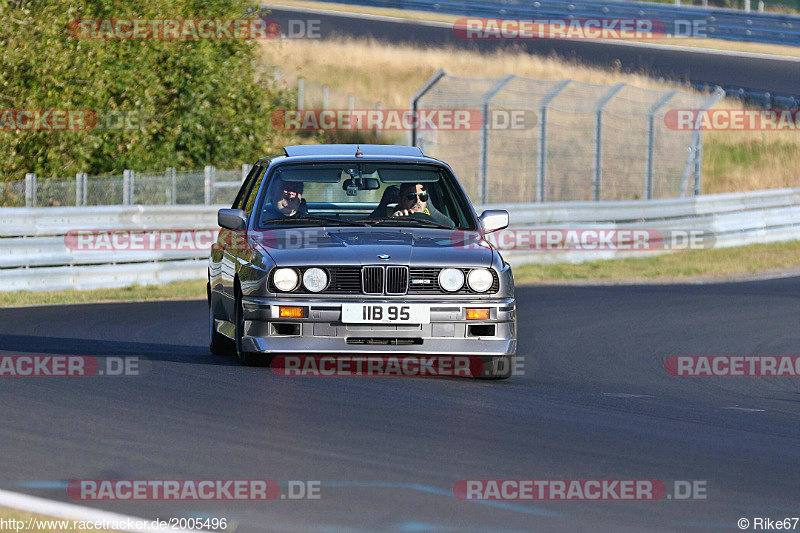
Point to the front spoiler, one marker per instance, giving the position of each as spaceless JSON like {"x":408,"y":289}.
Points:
{"x":322,"y":332}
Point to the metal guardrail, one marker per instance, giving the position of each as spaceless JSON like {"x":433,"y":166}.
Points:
{"x":718,"y":23}
{"x":34,"y":255}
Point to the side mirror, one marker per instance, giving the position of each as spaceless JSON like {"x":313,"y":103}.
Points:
{"x":493,"y":220}
{"x":234,"y":219}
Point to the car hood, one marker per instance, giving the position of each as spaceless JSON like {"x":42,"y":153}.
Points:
{"x":363,"y":246}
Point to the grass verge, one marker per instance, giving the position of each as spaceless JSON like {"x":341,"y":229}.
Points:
{"x":719,"y":263}
{"x":179,"y":290}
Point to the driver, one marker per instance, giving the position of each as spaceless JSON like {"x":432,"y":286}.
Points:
{"x":414,"y":199}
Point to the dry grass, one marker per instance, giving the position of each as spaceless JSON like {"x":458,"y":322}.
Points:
{"x":696,"y":42}
{"x":392,"y":73}
{"x":733,"y":160}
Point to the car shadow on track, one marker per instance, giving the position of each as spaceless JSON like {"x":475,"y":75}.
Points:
{"x":38,"y":345}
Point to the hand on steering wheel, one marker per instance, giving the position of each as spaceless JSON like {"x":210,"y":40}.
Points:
{"x":412,"y":214}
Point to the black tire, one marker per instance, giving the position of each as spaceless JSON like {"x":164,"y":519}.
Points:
{"x":218,"y":344}
{"x":245,"y":358}
{"x":497,"y":368}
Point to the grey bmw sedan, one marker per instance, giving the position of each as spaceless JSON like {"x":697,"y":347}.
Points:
{"x":370,"y":249}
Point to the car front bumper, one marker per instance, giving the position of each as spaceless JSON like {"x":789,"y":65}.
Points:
{"x":322,"y":330}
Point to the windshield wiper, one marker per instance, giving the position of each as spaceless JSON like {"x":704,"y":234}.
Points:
{"x":313,"y":218}
{"x":408,"y":219}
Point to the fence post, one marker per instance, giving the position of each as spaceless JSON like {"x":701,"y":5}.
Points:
{"x":351,"y":104}
{"x":80,"y":188}
{"x":246,"y":168}
{"x":125,"y":189}
{"x":694,"y":157}
{"x":483,"y":168}
{"x":598,"y":137}
{"x":698,"y":163}
{"x":541,"y":155}
{"x":173,"y":195}
{"x":300,"y":93}
{"x":433,"y":80}
{"x":210,"y":172}
{"x":30,"y":190}
{"x":651,"y":113}
{"x":378,"y":127}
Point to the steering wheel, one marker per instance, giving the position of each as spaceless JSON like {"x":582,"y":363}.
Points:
{"x":423,"y":216}
{"x":419,"y":215}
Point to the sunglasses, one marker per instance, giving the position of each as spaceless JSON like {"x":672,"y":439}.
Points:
{"x":423,"y":196}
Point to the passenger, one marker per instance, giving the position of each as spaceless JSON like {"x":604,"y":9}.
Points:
{"x":287,"y":200}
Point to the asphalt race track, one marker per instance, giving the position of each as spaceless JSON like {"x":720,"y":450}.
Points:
{"x":594,"y":402}
{"x":774,"y":74}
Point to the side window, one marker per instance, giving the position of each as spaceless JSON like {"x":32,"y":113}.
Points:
{"x":248,"y":182}
{"x":253,"y":192}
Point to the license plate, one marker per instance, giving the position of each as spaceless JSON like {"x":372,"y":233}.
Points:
{"x":386,"y":314}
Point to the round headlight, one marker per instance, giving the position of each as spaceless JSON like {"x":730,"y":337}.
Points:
{"x":480,"y":280}
{"x":315,"y":279}
{"x":286,"y":279}
{"x":451,"y":279}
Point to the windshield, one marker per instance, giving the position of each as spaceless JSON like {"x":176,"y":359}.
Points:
{"x":363,"y":194}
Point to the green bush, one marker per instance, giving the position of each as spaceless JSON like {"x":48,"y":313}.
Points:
{"x":202,"y":102}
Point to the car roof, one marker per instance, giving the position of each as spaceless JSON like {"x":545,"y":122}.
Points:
{"x":352,"y":149}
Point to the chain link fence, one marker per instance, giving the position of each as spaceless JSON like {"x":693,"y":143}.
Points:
{"x":543,"y":140}
{"x":576,"y":142}
{"x":208,"y":186}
